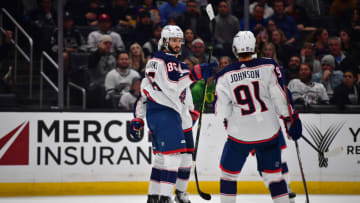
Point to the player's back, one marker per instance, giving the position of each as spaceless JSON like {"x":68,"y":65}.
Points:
{"x":249,"y":88}
{"x":166,"y":81}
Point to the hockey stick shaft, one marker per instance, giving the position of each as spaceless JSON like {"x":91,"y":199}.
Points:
{"x":202,"y":194}
{"x":297,"y":147}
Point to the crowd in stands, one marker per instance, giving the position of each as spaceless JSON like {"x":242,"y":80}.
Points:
{"x":320,"y":60}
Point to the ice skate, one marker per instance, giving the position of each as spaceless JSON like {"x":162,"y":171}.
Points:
{"x":292,"y":195}
{"x":153,"y":199}
{"x":181,"y":197}
{"x":165,"y":199}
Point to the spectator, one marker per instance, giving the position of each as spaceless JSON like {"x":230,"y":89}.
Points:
{"x":42,"y":16}
{"x":85,"y":12}
{"x":329,"y":77}
{"x":304,"y":90}
{"x":351,"y":22}
{"x":269,"y":51}
{"x":351,"y":63}
{"x":335,"y":51}
{"x":198,"y":49}
{"x":137,"y":58}
{"x":262,"y":37}
{"x":284,"y":22}
{"x":143,"y":30}
{"x":283,"y":49}
{"x":320,"y":39}
{"x":271,"y":25}
{"x":194,"y":20}
{"x":348,"y":46}
{"x":128,"y":99}
{"x":149,"y":6}
{"x":122,"y":15}
{"x":291,"y":71}
{"x":186,"y":48}
{"x":307,"y":56}
{"x":224,"y":61}
{"x":225,"y":21}
{"x":73,"y":41}
{"x":104,"y":28}
{"x":119,"y":79}
{"x":348,"y":91}
{"x":41,"y":23}
{"x":256,"y":21}
{"x":268,"y":10}
{"x":191,"y":61}
{"x":101,"y":61}
{"x":171,"y":8}
{"x":299,"y":14}
{"x":151,"y":45}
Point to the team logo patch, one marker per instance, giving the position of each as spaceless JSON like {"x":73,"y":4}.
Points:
{"x":14,"y":147}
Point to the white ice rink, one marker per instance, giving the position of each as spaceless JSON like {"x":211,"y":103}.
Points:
{"x":193,"y":198}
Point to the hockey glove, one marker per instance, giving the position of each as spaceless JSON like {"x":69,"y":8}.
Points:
{"x":295,"y":129}
{"x":202,"y":71}
{"x":136,"y":125}
{"x":194,"y":116}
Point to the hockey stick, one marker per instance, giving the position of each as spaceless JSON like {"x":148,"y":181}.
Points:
{"x":206,"y":196}
{"x":331,"y":153}
{"x":297,"y":147}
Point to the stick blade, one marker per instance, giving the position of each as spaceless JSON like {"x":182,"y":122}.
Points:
{"x":210,"y":12}
{"x":205,"y":196}
{"x":334,"y":152}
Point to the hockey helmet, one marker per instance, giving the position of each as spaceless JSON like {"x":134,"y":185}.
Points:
{"x":244,"y":42}
{"x":169,"y":31}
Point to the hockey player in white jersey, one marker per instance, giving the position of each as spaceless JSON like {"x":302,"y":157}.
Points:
{"x":250,"y":97}
{"x":165,"y":88}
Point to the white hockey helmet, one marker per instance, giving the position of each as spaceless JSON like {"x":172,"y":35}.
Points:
{"x":244,"y":42}
{"x":169,"y":31}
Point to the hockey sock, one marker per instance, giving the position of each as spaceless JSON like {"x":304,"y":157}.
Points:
{"x":285,"y":172}
{"x":228,"y":187}
{"x":169,"y":174}
{"x":184,"y":172}
{"x":154,"y":186}
{"x":279,"y":192}
{"x":277,"y":186}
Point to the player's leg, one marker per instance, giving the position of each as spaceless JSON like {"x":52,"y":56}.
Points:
{"x":269,"y":155}
{"x":168,"y":176}
{"x":232,"y":160}
{"x":158,"y":163}
{"x":165,"y":123}
{"x":182,"y":181}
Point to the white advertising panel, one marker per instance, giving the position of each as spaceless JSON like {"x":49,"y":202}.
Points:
{"x":91,"y":147}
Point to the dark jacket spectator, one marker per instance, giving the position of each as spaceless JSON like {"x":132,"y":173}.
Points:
{"x":143,"y":30}
{"x":195,"y":20}
{"x":348,"y":91}
{"x":284,"y":22}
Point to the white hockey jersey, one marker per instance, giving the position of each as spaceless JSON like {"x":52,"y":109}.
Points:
{"x":166,"y":83}
{"x":250,"y":96}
